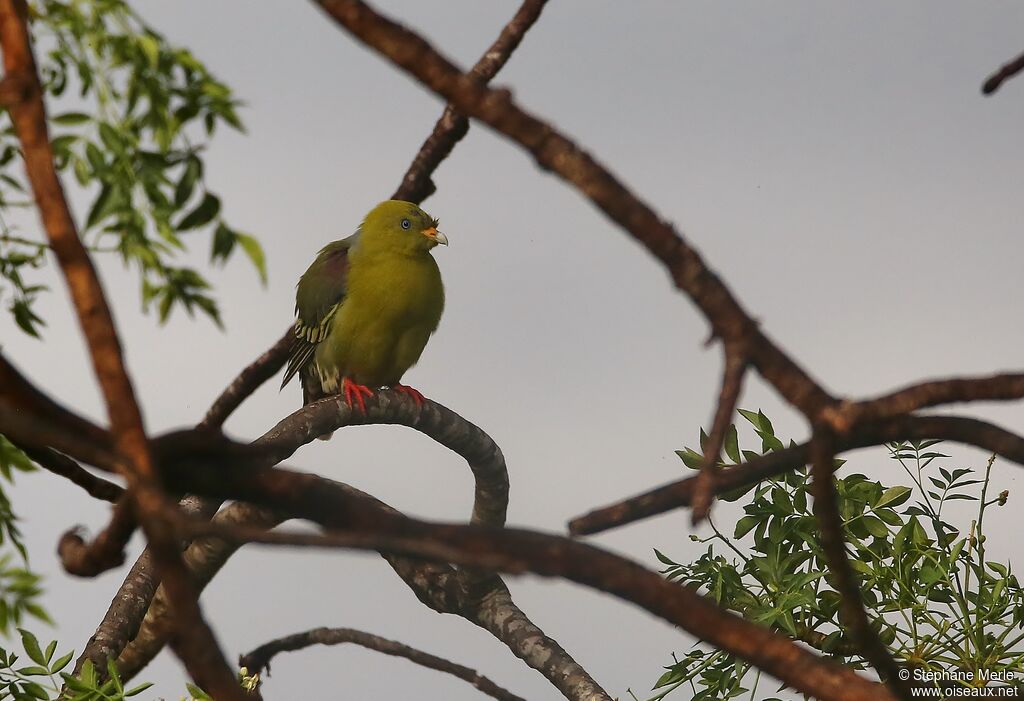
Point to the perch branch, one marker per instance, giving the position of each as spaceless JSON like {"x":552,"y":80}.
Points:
{"x":259,"y":659}
{"x":437,"y":585}
{"x":60,"y":464}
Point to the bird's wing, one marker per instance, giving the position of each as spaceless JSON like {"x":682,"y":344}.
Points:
{"x":318,"y":295}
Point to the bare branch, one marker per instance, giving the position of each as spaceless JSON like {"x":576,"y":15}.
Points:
{"x":680,"y":493}
{"x":1004,"y":73}
{"x":60,"y":464}
{"x":841,"y":575}
{"x":259,"y":659}
{"x":735,"y":366}
{"x":416,"y":184}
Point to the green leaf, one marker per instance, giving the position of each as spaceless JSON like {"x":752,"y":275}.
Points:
{"x":61,"y":662}
{"x":71,"y":118}
{"x":894,"y":496}
{"x":138,"y":689}
{"x":31,"y":645}
{"x":732,"y":446}
{"x":745,"y":525}
{"x":254,"y":250}
{"x":203,"y":214}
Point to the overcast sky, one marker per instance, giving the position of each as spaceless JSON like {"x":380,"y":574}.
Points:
{"x":836,"y":163}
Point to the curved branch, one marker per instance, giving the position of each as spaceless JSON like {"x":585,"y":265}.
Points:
{"x":517,"y":551}
{"x":259,"y":659}
{"x":680,"y":493}
{"x":485,"y":460}
{"x":60,"y":464}
{"x":440,"y":586}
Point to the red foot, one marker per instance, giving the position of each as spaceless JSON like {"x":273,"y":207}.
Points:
{"x":406,"y":389}
{"x":355,"y":391}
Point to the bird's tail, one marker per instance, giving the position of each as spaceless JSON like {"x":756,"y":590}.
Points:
{"x":312,"y":390}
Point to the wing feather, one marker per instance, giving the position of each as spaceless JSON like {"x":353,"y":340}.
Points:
{"x":319,"y":293}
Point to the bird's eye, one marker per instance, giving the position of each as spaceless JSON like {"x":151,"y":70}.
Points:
{"x":406,"y":223}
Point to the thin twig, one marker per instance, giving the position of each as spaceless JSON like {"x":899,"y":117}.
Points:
{"x":735,"y":365}
{"x":259,"y":659}
{"x":680,"y":493}
{"x":248,"y":381}
{"x":1004,"y":73}
{"x":417,"y":184}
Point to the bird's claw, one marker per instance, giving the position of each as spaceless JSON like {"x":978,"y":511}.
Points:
{"x":414,"y":393}
{"x":355,"y":391}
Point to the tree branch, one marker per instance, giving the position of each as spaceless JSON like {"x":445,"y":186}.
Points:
{"x":1004,"y":73}
{"x":680,"y":493}
{"x":248,"y":381}
{"x":518,"y":551}
{"x":195,"y":642}
{"x":841,"y":575}
{"x":417,"y":184}
{"x":259,"y":659}
{"x":734,"y":361}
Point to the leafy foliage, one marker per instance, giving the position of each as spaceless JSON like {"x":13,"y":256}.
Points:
{"x":19,"y":586}
{"x":935,"y":599}
{"x":44,"y":676}
{"x":126,"y":109}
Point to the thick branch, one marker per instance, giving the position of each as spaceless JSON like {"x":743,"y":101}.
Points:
{"x":259,"y":659}
{"x":438,"y":585}
{"x":452,"y":127}
{"x":518,"y":551}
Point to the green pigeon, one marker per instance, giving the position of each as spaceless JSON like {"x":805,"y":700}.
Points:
{"x":367,"y":305}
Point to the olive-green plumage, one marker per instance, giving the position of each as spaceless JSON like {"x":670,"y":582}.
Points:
{"x":368,"y":303}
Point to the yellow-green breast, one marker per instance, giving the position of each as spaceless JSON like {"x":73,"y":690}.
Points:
{"x":393,"y":303}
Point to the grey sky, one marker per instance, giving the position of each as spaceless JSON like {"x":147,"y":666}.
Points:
{"x":836,"y":163}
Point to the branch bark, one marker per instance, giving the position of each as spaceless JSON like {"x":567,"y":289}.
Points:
{"x":259,"y":659}
{"x":194,"y":639}
{"x":360,"y":525}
